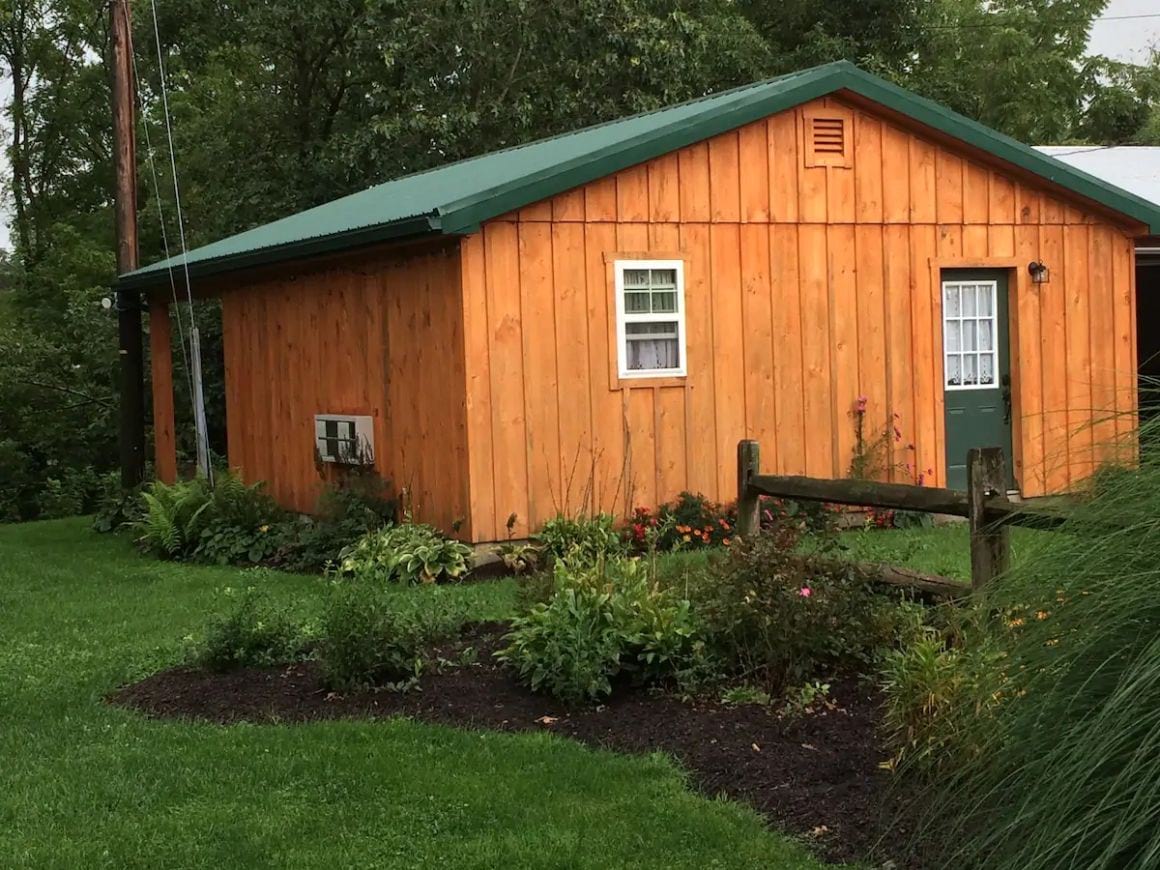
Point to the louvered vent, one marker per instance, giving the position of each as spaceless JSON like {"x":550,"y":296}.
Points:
{"x":827,"y":138}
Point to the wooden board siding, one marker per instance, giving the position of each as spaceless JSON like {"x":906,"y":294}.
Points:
{"x":381,"y":335}
{"x":805,"y":288}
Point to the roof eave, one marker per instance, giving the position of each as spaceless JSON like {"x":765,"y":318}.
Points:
{"x":468,"y":213}
{"x":408,"y":228}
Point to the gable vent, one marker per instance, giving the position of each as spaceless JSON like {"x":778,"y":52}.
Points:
{"x":827,"y":138}
{"x":829,"y":135}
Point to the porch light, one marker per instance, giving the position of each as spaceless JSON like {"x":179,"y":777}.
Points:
{"x":1040,"y":274}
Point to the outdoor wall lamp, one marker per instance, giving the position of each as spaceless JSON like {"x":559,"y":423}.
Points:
{"x":1040,"y":274}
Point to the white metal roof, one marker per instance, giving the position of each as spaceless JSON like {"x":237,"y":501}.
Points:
{"x":1135,"y":168}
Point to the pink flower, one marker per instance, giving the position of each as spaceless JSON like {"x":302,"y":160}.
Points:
{"x":860,"y":405}
{"x":805,"y":592}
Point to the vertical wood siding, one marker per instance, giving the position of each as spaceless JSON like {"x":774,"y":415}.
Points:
{"x":805,"y":288}
{"x":382,"y":336}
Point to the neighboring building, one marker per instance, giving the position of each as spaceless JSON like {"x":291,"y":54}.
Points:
{"x":1135,"y":168}
{"x":593,"y":321}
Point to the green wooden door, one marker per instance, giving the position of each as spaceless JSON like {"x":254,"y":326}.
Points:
{"x":976,"y":367}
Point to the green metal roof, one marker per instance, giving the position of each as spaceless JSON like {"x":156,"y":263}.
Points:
{"x":456,"y":198}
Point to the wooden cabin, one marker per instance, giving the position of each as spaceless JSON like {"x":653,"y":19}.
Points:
{"x":592,"y":322}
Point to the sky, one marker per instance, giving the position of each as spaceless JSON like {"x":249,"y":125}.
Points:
{"x":1127,"y":39}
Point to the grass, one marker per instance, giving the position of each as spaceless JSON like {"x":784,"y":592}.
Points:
{"x":942,"y":549}
{"x":88,"y":785}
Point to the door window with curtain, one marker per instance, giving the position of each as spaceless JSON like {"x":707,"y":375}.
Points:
{"x":650,"y":318}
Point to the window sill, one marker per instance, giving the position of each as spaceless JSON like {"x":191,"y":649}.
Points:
{"x":650,"y":382}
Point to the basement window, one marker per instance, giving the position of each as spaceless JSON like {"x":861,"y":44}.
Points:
{"x":344,"y":439}
{"x":650,"y":318}
{"x":828,"y":134}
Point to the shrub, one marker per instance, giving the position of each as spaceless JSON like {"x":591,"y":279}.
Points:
{"x":1062,"y":769}
{"x":785,"y":618}
{"x":118,"y":508}
{"x":583,"y":539}
{"x":603,"y":622}
{"x":224,"y":543}
{"x":373,"y":638}
{"x":251,"y":632}
{"x":190,"y":519}
{"x":693,"y":522}
{"x":407,"y":553}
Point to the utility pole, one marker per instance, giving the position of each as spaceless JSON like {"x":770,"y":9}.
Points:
{"x":130,"y":345}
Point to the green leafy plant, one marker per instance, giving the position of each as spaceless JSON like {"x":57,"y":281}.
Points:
{"x":252,"y":631}
{"x":223,"y":523}
{"x":806,"y":699}
{"x":603,"y":622}
{"x":520,"y":557}
{"x":175,"y":515}
{"x":582,"y":539}
{"x":372,"y":637}
{"x":784,"y":618}
{"x":744,"y":695}
{"x":407,"y":553}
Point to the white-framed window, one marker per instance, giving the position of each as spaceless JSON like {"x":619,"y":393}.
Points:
{"x":345,"y":439}
{"x":650,"y":318}
{"x":970,"y":335}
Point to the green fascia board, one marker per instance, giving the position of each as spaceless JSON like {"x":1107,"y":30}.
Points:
{"x":316,"y":246}
{"x":455,"y":199}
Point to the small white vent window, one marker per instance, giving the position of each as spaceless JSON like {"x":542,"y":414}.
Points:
{"x":970,"y":347}
{"x":650,"y":318}
{"x":344,"y":439}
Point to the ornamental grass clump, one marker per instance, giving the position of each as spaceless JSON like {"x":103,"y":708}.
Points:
{"x":1064,"y":767}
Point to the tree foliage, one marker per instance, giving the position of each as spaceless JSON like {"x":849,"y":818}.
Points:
{"x":281,"y":105}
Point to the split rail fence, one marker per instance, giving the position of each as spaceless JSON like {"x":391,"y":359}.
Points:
{"x":985,"y":506}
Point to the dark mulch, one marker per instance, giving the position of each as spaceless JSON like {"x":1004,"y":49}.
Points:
{"x":818,"y":776}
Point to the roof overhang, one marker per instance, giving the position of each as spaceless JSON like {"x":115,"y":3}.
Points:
{"x":462,"y":216}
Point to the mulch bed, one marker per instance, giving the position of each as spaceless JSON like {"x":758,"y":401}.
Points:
{"x":817,"y":777}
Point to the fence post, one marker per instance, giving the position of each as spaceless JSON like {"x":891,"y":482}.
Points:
{"x":990,"y":544}
{"x":748,"y":501}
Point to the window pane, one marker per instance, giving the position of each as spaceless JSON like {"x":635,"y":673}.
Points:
{"x":636,"y":303}
{"x":664,"y":277}
{"x":953,"y":373}
{"x":969,"y":335}
{"x":985,"y":335}
{"x":667,"y":329}
{"x":664,"y":302}
{"x":636,"y":277}
{"x":953,"y":342}
{"x":968,"y":369}
{"x":986,"y":369}
{"x":659,"y":353}
{"x":985,"y":300}
{"x":951,"y":300}
{"x":968,"y":302}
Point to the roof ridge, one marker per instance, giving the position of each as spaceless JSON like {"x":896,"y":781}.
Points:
{"x":599,"y":125}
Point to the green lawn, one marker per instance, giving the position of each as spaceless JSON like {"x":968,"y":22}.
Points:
{"x":83,"y":785}
{"x":942,"y":549}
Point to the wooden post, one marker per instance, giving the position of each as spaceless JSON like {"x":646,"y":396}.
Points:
{"x":130,"y":344}
{"x":748,"y":500}
{"x":990,"y":544}
{"x":161,"y":361}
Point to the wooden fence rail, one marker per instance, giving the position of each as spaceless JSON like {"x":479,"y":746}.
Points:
{"x":985,"y":505}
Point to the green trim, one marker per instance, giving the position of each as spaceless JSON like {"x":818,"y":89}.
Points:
{"x":395,"y":231}
{"x":810,"y":85}
{"x":595,"y":153}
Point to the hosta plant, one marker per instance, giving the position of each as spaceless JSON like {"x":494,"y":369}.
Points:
{"x":408,"y":553}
